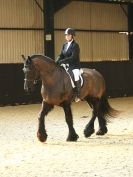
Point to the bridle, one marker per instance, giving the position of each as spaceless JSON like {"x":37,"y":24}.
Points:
{"x":32,"y":80}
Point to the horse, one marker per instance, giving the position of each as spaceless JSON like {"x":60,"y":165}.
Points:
{"x":57,"y":90}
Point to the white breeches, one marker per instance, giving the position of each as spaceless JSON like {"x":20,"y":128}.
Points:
{"x":76,"y":73}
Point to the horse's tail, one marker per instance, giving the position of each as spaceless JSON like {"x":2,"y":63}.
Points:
{"x":106,"y":109}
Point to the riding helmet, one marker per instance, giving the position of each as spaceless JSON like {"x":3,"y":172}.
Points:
{"x":70,"y":31}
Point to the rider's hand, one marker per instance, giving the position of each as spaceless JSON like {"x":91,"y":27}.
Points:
{"x":58,"y":62}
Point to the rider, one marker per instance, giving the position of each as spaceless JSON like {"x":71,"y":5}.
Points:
{"x":70,"y":54}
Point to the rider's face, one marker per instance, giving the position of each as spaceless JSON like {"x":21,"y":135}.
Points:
{"x":68,"y":37}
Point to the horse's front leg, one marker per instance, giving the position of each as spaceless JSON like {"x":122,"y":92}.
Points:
{"x":72,"y":135}
{"x":41,"y":133}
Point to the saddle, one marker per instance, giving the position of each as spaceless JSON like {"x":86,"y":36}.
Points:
{"x":71,"y":75}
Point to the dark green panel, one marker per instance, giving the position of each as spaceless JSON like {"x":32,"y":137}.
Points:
{"x":118,"y":77}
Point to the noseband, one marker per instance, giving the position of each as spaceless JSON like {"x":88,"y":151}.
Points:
{"x":31,"y":80}
{"x":34,"y":81}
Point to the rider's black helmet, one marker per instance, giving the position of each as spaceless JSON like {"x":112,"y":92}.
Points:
{"x":70,"y":31}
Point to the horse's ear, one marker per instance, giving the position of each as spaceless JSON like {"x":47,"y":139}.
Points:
{"x":29,"y":59}
{"x":23,"y":57}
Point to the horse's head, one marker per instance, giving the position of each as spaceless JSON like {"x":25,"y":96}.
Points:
{"x":31,"y":75}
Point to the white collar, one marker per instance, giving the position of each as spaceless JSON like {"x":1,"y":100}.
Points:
{"x":70,"y":42}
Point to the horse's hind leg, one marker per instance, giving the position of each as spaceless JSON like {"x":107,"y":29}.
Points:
{"x":105,"y":111}
{"x":72,"y":136}
{"x":99,"y":110}
{"x":41,"y":133}
{"x":102,"y":124}
{"x":102,"y":119}
{"x":89,"y":128}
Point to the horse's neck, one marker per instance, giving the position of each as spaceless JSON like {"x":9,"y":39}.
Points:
{"x":43,"y":66}
{"x":46,"y":70}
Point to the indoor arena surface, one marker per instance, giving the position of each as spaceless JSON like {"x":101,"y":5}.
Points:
{"x":22,"y":155}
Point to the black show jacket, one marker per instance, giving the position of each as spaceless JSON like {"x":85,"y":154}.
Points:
{"x":70,"y":56}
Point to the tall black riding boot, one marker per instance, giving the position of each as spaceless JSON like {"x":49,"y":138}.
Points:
{"x":78,"y":87}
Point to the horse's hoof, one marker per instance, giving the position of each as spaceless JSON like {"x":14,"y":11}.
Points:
{"x":42,"y":137}
{"x":102,"y":131}
{"x":88,"y":133}
{"x":72,"y":137}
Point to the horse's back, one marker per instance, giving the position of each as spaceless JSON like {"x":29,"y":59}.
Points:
{"x":94,"y":84}
{"x":92,"y":72}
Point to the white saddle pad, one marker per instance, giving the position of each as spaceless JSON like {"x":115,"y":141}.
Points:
{"x":72,"y":82}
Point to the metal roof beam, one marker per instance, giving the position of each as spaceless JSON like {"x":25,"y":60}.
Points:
{"x":110,"y":1}
{"x":58,"y":4}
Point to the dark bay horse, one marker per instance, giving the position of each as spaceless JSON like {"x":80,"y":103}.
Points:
{"x":57,"y":90}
